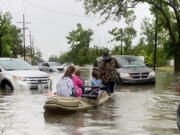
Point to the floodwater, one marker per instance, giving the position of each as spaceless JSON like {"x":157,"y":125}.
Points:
{"x":132,"y":110}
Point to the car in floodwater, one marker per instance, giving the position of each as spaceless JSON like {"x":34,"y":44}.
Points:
{"x":18,"y":74}
{"x":51,"y":67}
{"x":133,"y":70}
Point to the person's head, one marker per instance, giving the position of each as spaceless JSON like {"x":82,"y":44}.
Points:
{"x":69,"y":71}
{"x":105,"y":52}
{"x":78,"y":72}
{"x":95,"y":74}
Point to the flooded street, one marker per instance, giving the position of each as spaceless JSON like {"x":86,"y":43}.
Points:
{"x":132,"y":110}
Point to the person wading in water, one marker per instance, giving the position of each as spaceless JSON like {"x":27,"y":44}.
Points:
{"x":107,"y":71}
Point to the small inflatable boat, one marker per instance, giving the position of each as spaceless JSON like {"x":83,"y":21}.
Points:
{"x":59,"y":103}
{"x":178,"y":116}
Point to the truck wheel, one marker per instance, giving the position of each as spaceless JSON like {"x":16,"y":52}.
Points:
{"x":6,"y":86}
{"x":50,"y":70}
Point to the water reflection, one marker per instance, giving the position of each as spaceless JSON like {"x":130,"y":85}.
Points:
{"x":92,"y":121}
{"x":132,"y":110}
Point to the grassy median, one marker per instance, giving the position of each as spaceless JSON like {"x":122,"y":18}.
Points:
{"x":168,"y":68}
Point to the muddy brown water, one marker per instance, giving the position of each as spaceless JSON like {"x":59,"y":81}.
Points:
{"x":132,"y":110}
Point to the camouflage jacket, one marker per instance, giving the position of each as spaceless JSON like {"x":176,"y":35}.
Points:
{"x":107,"y":69}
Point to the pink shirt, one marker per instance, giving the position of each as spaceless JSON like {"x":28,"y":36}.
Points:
{"x":78,"y":84}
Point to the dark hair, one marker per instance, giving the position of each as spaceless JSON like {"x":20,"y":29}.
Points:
{"x":105,"y":52}
{"x":78,"y":72}
{"x":95,"y":74}
{"x":69,"y":71}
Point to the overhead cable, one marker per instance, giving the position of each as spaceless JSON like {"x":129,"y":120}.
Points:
{"x":52,"y":10}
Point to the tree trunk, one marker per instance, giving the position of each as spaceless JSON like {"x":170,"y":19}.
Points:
{"x":0,"y":48}
{"x":177,"y":58}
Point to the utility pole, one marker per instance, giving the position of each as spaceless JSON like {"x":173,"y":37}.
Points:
{"x":31,"y":47}
{"x":33,"y":52}
{"x":121,"y":46}
{"x":155,"y":45}
{"x":122,"y":40}
{"x":24,"y":34}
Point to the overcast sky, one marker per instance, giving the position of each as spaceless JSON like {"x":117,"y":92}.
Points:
{"x":52,"y":20}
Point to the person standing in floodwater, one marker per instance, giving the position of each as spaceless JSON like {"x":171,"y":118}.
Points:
{"x":107,"y":71}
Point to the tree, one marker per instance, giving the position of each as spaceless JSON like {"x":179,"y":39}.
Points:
{"x":169,"y":10}
{"x":16,"y":41}
{"x":163,"y":54}
{"x":53,"y":58}
{"x":10,"y":37}
{"x":125,"y":35}
{"x":90,"y":58}
{"x":79,"y":40}
{"x":37,"y":56}
{"x":65,"y":57}
{"x":5,"y":48}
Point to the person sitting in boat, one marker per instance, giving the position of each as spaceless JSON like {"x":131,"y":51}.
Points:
{"x":95,"y":88}
{"x":95,"y":82}
{"x":65,"y":84}
{"x":78,"y":83}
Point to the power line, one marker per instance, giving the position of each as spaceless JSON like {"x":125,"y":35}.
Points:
{"x":52,"y":10}
{"x":24,"y":7}
{"x":5,"y":7}
{"x":11,"y":7}
{"x":31,"y":47}
{"x":20,"y":6}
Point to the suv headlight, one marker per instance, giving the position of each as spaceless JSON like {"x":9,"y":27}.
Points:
{"x":124,"y":75}
{"x":19,"y":78}
{"x":49,"y":78}
{"x":54,"y":69}
{"x":152,"y":74}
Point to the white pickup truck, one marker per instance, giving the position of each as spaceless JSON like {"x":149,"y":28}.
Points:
{"x":18,"y":74}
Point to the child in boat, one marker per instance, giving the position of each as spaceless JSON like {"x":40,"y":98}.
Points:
{"x":65,"y":85}
{"x":95,"y":82}
{"x":78,"y":83}
{"x":95,"y":85}
{"x":78,"y":73}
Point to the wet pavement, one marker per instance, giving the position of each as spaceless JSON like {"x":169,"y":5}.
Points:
{"x":132,"y":110}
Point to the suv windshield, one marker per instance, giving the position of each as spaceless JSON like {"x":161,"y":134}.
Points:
{"x":15,"y":65}
{"x":53,"y":64}
{"x":130,"y":61}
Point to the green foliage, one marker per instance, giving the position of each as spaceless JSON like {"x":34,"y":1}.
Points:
{"x":79,"y":40}
{"x":116,"y":50}
{"x":5,"y":49}
{"x":16,"y":41}
{"x":89,"y":58}
{"x":139,"y":49}
{"x":53,"y":58}
{"x":10,"y":37}
{"x":37,"y":56}
{"x":65,"y":57}
{"x":145,"y":47}
{"x":126,"y":35}
{"x":168,"y":10}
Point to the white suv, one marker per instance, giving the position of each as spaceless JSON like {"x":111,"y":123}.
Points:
{"x":18,"y":74}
